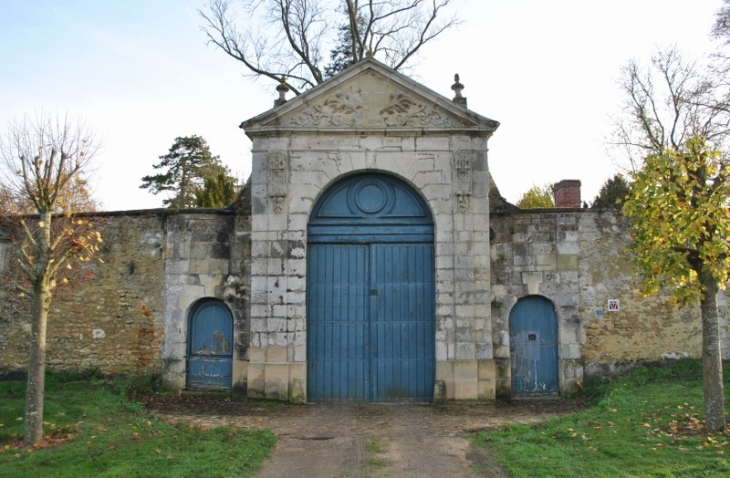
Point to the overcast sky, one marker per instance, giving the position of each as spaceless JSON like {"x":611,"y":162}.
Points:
{"x":141,"y":74}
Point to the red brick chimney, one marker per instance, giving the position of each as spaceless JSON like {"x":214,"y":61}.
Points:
{"x":567,"y":193}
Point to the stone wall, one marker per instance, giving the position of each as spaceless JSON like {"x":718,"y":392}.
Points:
{"x":131,"y":314}
{"x":113,"y":320}
{"x":208,"y":256}
{"x":575,"y":258}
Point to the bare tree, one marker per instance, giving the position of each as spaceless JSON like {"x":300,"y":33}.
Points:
{"x":721,"y":28}
{"x":720,"y":66}
{"x":291,"y":38}
{"x":44,"y":162}
{"x":666,"y":103}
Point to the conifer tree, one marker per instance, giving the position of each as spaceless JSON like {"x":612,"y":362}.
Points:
{"x":185,"y":168}
{"x":219,"y":190}
{"x":612,"y":193}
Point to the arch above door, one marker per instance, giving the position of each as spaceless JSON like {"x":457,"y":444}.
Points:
{"x":371,"y":208}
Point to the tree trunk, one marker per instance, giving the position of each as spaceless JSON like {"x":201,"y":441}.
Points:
{"x":41,"y":303}
{"x":37,"y":367}
{"x":714,"y":393}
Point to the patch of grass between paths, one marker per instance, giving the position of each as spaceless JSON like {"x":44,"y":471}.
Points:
{"x":645,"y":423}
{"x":93,"y":431}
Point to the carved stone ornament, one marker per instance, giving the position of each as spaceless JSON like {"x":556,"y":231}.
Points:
{"x":278,"y":162}
{"x":341,"y":109}
{"x":348,"y":110}
{"x":462,"y":166}
{"x":403,"y":110}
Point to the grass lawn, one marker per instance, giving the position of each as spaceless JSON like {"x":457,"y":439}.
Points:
{"x":93,"y":430}
{"x":645,"y":423}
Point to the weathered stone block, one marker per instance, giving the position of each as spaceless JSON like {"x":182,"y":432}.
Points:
{"x":567,"y":262}
{"x":276,"y":354}
{"x":486,"y":390}
{"x":465,"y":370}
{"x":466,"y":390}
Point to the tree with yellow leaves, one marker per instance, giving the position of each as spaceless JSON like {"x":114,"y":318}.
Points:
{"x":678,"y":203}
{"x":42,"y":180}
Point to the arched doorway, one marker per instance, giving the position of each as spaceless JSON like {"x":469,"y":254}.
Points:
{"x":210,"y":335}
{"x":533,"y":333}
{"x":370,"y":293}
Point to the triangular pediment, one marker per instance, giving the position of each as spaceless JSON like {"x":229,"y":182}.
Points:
{"x":369,"y":96}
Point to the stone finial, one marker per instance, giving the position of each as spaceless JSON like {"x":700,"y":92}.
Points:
{"x":457,"y":87}
{"x":283,"y":89}
{"x":369,"y":54}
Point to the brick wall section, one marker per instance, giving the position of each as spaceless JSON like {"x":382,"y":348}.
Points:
{"x":114,"y":321}
{"x":567,"y":193}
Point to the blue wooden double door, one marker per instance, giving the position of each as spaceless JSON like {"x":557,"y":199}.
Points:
{"x":370,"y":294}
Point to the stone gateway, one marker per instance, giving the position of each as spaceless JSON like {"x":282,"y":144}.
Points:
{"x":379,"y":170}
{"x":369,"y":258}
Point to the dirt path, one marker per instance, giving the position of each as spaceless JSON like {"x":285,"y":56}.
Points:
{"x":335,"y":441}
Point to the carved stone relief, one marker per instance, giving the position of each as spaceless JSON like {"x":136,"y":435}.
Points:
{"x":347,"y":110}
{"x":403,"y":110}
{"x":462,"y":166}
{"x":341,"y":109}
{"x":278,"y":162}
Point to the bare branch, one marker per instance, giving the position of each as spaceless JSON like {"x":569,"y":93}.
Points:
{"x":297,"y":35}
{"x":667,"y":102}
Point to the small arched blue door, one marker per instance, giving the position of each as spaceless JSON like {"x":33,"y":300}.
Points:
{"x":533,"y":331}
{"x":210,"y":333}
{"x":370,"y":293}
